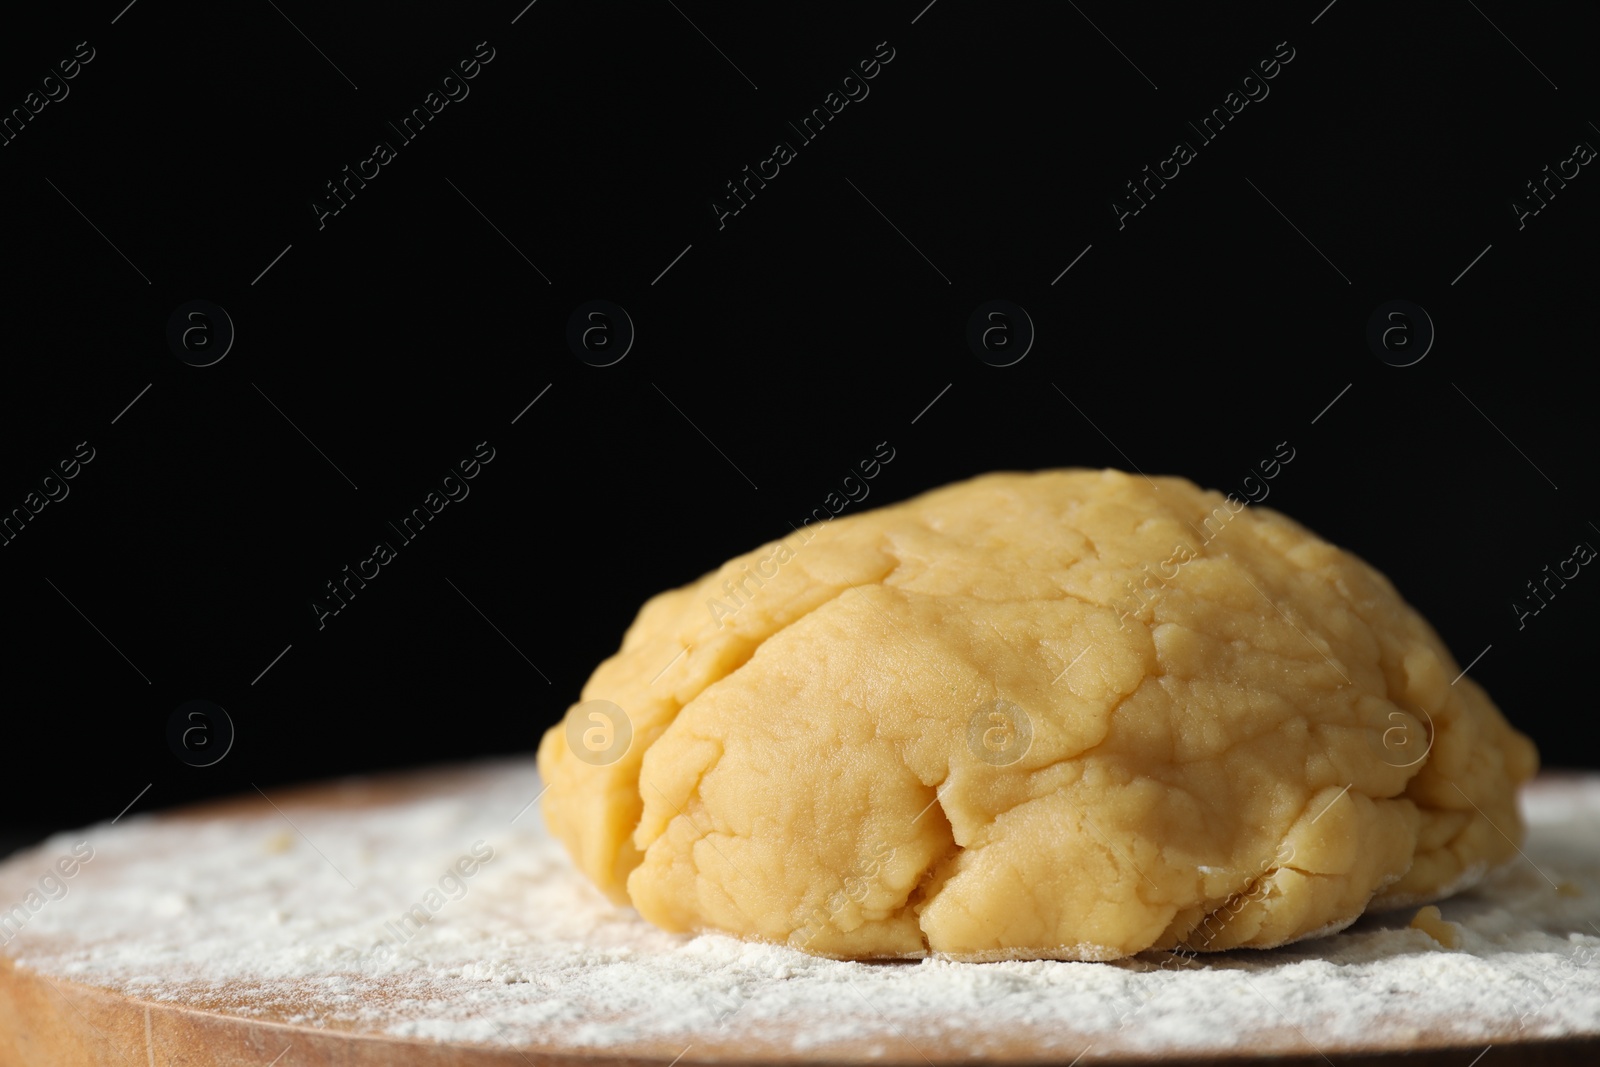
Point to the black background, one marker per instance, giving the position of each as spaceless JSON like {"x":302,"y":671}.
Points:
{"x":776,"y":352}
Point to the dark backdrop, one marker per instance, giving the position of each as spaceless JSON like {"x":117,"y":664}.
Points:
{"x":374,"y":348}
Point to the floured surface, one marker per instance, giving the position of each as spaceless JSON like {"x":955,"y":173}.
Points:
{"x":237,"y":912}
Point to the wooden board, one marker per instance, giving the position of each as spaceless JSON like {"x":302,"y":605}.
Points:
{"x":50,"y":1015}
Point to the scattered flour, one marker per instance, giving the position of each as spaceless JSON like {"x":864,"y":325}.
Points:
{"x":233,"y":916}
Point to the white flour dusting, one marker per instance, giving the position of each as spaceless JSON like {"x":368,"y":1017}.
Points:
{"x":249,"y":916}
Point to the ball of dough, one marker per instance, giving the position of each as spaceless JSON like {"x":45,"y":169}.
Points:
{"x":1067,"y":715}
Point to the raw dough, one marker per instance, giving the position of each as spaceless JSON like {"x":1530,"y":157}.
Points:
{"x":1072,"y":715}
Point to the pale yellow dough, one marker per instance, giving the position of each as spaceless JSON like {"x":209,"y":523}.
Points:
{"x":1232,"y":756}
